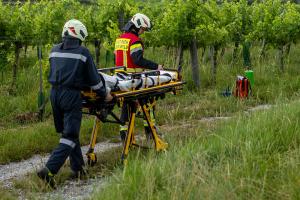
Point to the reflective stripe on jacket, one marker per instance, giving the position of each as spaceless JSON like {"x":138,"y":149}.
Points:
{"x":72,"y":66}
{"x":126,"y":45}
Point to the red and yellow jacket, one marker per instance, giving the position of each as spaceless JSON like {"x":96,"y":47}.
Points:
{"x":129,"y":51}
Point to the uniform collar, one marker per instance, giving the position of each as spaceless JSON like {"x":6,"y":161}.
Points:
{"x":134,"y":32}
{"x":71,"y":43}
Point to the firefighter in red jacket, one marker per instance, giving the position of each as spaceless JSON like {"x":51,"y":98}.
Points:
{"x":129,"y":50}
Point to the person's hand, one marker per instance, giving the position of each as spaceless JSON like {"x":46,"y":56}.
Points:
{"x":108,"y":97}
{"x":160,"y":67}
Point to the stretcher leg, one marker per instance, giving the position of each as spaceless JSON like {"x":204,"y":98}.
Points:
{"x":91,"y":156}
{"x":150,"y":109}
{"x":159,"y":144}
{"x":130,"y":134}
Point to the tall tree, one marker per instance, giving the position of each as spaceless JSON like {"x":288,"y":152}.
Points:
{"x":176,"y":25}
{"x":277,"y":23}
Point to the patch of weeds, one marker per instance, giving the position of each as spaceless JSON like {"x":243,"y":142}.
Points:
{"x":7,"y":194}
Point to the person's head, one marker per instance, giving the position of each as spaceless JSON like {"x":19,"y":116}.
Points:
{"x":140,"y":23}
{"x":74,"y":29}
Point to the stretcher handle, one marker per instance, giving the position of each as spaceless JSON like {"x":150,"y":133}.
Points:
{"x":146,"y":73}
{"x":149,"y":90}
{"x":111,"y":69}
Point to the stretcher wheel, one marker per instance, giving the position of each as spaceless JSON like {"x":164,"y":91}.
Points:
{"x":91,"y":159}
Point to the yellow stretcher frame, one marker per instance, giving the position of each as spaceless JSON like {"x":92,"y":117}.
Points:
{"x":131,"y":98}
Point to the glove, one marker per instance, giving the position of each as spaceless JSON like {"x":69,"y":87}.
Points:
{"x":160,"y":67}
{"x":108,"y":96}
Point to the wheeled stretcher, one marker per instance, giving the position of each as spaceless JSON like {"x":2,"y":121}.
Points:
{"x":138,"y":91}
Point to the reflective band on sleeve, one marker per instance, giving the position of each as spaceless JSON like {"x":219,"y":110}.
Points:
{"x":145,"y":123}
{"x":98,"y":86}
{"x":123,"y":128}
{"x":68,"y":55}
{"x":67,"y":142}
{"x":135,"y":48}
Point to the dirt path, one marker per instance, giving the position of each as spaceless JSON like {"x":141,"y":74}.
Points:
{"x":75,"y":190}
{"x":70,"y":190}
{"x":17,"y":169}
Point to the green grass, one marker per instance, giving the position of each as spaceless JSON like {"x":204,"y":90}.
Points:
{"x":270,"y":83}
{"x":41,"y":138}
{"x":246,"y":154}
{"x":7,"y":194}
{"x":253,"y":156}
{"x":270,"y":87}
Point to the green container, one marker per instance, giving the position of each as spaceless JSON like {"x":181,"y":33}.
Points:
{"x":250,"y":75}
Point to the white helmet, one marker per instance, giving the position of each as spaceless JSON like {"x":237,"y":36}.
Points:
{"x":141,"y":20}
{"x":75,"y":29}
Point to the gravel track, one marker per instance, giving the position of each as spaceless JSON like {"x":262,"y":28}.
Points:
{"x":75,"y":190}
{"x":70,"y":190}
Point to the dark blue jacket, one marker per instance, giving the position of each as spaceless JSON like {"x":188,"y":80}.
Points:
{"x":72,"y":66}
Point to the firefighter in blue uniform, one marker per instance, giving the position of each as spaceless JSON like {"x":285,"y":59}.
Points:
{"x":71,"y":69}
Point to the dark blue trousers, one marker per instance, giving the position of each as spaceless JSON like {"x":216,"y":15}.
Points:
{"x":66,"y":105}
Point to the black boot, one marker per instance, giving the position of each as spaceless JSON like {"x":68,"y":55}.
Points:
{"x":47,"y":176}
{"x":81,"y":174}
{"x":123,"y":135}
{"x":148,"y":132}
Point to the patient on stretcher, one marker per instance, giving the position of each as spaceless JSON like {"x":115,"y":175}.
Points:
{"x":125,"y":82}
